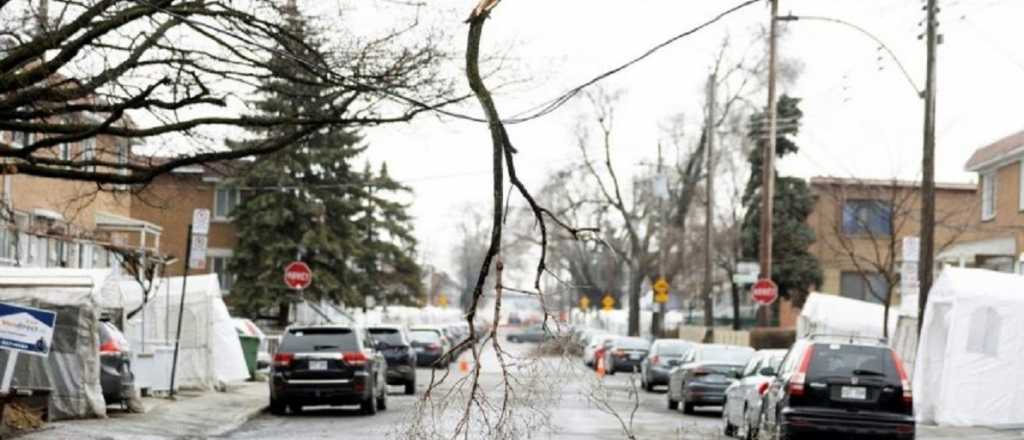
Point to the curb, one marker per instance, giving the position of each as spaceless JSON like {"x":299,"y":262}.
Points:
{"x":238,"y":421}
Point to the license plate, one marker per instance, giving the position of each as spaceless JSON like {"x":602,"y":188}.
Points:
{"x":854,"y":393}
{"x":317,"y":365}
{"x":635,"y":356}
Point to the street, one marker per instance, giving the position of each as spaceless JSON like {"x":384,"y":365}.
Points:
{"x":557,"y":390}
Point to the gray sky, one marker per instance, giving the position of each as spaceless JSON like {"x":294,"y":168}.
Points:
{"x":861,"y":116}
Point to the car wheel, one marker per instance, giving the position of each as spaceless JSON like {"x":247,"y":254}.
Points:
{"x":687,"y":406}
{"x":277,"y":407}
{"x":410,"y":387}
{"x":369,"y":405}
{"x":382,"y":401}
{"x":672,"y":404}
{"x":727,"y":429}
{"x":295,"y":409}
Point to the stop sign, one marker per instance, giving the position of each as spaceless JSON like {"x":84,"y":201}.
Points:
{"x":297,"y":275}
{"x":765,"y":292}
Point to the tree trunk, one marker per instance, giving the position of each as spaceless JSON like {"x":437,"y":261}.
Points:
{"x":635,"y":284}
{"x":885,"y":316}
{"x":735,"y":306}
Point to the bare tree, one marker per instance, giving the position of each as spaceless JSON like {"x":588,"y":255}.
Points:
{"x":113,"y":74}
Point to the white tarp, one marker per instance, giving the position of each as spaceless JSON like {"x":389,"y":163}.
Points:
{"x":72,"y":369}
{"x":825,"y":314}
{"x":970,"y":350}
{"x":210,"y":355}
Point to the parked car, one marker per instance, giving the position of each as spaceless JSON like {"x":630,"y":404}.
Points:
{"x":533,"y":333}
{"x":705,"y":373}
{"x":116,"y":377}
{"x":328,"y":365}
{"x":663,"y":356}
{"x":741,"y":412}
{"x":590,"y":352}
{"x":431,"y":347}
{"x":398,"y":352}
{"x":626,"y":354}
{"x":827,"y":387}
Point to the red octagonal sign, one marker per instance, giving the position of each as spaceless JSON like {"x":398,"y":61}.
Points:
{"x":297,"y":275}
{"x":765,"y":292}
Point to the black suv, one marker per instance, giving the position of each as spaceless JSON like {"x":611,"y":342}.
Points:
{"x":828,"y":386}
{"x":399,"y":353}
{"x":327,"y":365}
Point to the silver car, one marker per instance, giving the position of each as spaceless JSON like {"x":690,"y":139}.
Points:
{"x":664,"y":354}
{"x":742,"y":409}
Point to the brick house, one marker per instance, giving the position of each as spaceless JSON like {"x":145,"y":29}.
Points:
{"x":999,"y":166}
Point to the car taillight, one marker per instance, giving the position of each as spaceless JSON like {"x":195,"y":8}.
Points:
{"x":283,"y":359}
{"x":797,"y":382}
{"x":655,"y":360}
{"x":354,"y":358}
{"x":762,"y":388}
{"x":908,"y":393}
{"x":701,"y":372}
{"x":110,"y":347}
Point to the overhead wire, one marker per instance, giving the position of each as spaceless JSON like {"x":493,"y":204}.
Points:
{"x":535,"y":112}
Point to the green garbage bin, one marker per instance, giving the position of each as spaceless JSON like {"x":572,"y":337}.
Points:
{"x":250,"y":349}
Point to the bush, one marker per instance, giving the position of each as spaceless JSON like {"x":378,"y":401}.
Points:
{"x":772,"y":338}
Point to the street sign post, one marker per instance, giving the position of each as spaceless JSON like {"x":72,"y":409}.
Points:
{"x":608,"y":303}
{"x":197,"y":260}
{"x":765,"y":292}
{"x":201,"y":221}
{"x":24,"y":330}
{"x":584,"y":303}
{"x":661,"y":291}
{"x":297,"y":275}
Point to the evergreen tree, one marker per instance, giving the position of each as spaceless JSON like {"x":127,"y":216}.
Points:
{"x":794,"y":269}
{"x":305,"y":202}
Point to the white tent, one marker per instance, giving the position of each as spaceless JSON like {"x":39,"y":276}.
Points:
{"x":971,"y":357}
{"x":210,"y":355}
{"x":72,"y":370}
{"x":826,"y":314}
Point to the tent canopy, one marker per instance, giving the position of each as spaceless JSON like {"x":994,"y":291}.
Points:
{"x":970,"y":348}
{"x":827,"y":314}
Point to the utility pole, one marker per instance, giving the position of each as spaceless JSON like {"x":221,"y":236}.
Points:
{"x":768,"y":162}
{"x":709,"y":316}
{"x":928,"y":170}
{"x":658,"y":316}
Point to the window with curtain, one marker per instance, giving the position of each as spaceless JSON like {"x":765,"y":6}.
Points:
{"x":225,"y":199}
{"x":988,"y":196}
{"x":867,"y":217}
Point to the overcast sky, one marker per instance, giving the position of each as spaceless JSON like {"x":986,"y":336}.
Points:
{"x":862,"y":118}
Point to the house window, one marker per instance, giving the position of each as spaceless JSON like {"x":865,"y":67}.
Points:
{"x":89,"y":152}
{"x":65,"y":151}
{"x":219,"y":266}
{"x":867,"y":217}
{"x":988,"y":196}
{"x":22,"y":139}
{"x":225,"y":199}
{"x":870,"y":287}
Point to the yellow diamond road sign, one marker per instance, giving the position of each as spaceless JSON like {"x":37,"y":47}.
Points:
{"x":608,"y":302}
{"x":661,"y":291}
{"x":584,"y":302}
{"x":442,"y":300}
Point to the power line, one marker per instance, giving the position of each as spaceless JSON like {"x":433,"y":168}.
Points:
{"x":535,"y":112}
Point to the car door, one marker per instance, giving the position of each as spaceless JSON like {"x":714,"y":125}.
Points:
{"x":777,"y":390}
{"x":380,"y":363}
{"x":739,"y":392}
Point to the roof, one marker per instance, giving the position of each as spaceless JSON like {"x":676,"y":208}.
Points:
{"x":1002,"y":149}
{"x":849,"y":181}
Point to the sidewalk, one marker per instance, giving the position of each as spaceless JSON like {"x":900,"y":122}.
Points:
{"x":193,"y":414}
{"x":934,"y":432}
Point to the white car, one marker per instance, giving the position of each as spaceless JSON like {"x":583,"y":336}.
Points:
{"x":742,"y":409}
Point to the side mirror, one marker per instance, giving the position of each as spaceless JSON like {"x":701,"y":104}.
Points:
{"x":767,"y":371}
{"x":737,"y":374}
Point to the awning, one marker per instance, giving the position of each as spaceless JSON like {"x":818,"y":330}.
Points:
{"x":969,"y":250}
{"x":107,"y":221}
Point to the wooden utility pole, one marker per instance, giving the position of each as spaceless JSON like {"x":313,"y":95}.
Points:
{"x":709,"y":315}
{"x":928,"y":170}
{"x":768,"y":160}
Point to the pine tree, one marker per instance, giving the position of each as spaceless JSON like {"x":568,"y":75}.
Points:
{"x":794,"y":268}
{"x":305,"y":202}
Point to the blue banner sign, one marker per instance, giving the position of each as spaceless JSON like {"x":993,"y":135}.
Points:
{"x":26,"y":329}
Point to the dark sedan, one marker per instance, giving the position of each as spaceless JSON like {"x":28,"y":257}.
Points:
{"x":626,"y":354}
{"x":533,"y":333}
{"x":116,"y":377}
{"x":665,"y":354}
{"x":706,"y":373}
{"x":430,"y":345}
{"x":400,"y":355}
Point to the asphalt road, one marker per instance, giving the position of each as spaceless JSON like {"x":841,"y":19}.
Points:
{"x":550,"y":398}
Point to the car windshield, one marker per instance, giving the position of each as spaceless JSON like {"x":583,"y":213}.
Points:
{"x":673,"y":348}
{"x":633,"y":343}
{"x":424,"y":336}
{"x":726,"y":355}
{"x":319,"y":339}
{"x":829,"y":360}
{"x":390,"y":336}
